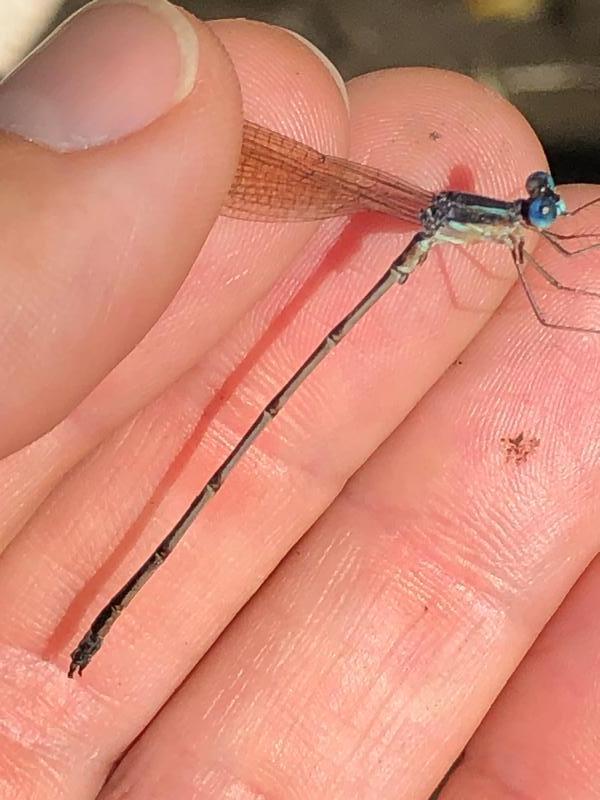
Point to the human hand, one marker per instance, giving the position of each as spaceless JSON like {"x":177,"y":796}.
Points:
{"x":365,"y":663}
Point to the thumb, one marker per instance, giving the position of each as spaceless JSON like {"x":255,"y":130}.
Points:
{"x":97,"y":239}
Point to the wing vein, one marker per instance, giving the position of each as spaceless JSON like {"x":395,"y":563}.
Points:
{"x":279,"y":178}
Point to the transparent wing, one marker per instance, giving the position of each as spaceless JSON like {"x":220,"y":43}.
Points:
{"x":279,"y":178}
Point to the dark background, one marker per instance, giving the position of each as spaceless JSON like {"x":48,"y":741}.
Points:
{"x":544,"y":55}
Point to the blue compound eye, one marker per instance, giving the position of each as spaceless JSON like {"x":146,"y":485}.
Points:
{"x":542,"y":212}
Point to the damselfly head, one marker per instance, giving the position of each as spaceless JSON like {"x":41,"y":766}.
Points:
{"x":544,"y":204}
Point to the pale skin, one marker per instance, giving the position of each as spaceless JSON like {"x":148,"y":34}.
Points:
{"x":411,"y":594}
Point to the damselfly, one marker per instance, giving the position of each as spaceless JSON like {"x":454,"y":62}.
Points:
{"x":281,"y":179}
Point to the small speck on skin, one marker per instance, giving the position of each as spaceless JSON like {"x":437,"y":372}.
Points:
{"x":518,"y":448}
{"x":435,"y":136}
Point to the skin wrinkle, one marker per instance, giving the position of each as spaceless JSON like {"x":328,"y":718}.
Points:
{"x":308,"y":702}
{"x":112,"y":302}
{"x":288,"y":657}
{"x":493,"y":780}
{"x":47,"y":749}
{"x":438,"y":534}
{"x":429,"y":543}
{"x":213,"y":779}
{"x":374,"y":722}
{"x":313,"y":474}
{"x":119,"y":443}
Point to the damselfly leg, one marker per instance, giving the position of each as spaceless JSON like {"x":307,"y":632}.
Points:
{"x":557,"y":241}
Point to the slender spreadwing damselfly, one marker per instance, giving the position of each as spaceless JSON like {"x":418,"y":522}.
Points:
{"x":281,"y":179}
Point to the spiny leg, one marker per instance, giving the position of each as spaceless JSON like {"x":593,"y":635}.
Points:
{"x":519,"y":254}
{"x":555,"y":238}
{"x":548,"y":276}
{"x":582,"y":207}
